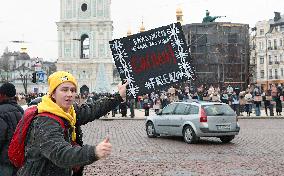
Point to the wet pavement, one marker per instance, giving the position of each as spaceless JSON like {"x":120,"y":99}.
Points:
{"x":257,"y":150}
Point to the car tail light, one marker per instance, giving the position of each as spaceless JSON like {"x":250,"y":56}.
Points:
{"x":203,"y":116}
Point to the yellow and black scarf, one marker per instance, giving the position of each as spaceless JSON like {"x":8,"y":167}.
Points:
{"x":47,"y":105}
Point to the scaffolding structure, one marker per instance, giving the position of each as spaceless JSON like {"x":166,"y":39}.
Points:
{"x":220,"y":53}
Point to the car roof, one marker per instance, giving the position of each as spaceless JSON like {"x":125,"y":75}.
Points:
{"x":35,"y":101}
{"x":198,"y":102}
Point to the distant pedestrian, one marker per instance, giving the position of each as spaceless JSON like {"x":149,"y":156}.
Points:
{"x":242,"y":102}
{"x":146,"y":104}
{"x":235,"y":103}
{"x":132,"y":107}
{"x":257,"y":102}
{"x":114,"y":111}
{"x":249,"y":101}
{"x":224,"y":97}
{"x":157,"y":104}
{"x":215,"y":97}
{"x":268,"y":103}
{"x":123,"y":109}
{"x":165,"y":100}
{"x":10,"y":115}
{"x":278,"y":104}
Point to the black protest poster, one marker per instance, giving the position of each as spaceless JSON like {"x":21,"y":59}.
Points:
{"x":152,"y":60}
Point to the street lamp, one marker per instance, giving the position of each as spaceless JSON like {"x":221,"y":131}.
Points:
{"x":267,"y":61}
{"x":24,"y":81}
{"x":24,"y":74}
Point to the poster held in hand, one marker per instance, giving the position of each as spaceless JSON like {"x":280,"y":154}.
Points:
{"x":153,"y":60}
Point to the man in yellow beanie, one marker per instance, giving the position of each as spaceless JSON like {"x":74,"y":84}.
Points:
{"x":49,"y":149}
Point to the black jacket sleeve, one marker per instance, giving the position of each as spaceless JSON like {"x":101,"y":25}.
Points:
{"x":3,"y":132}
{"x":87,"y":113}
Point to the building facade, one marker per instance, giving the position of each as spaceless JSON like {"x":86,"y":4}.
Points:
{"x":84,"y":30}
{"x":220,"y":53}
{"x":268,"y":51}
{"x":18,"y":68}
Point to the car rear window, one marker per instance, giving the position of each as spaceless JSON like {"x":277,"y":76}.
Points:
{"x":218,"y":110}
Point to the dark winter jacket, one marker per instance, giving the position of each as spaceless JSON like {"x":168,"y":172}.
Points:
{"x":48,"y":148}
{"x":10,"y":115}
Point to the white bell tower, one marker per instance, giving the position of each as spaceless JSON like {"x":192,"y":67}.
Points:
{"x":84,"y":30}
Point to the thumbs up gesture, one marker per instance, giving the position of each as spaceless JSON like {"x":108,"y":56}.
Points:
{"x":103,"y":149}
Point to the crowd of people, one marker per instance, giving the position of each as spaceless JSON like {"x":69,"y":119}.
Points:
{"x":244,"y":102}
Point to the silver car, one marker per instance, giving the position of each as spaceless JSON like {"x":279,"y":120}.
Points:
{"x":193,"y":120}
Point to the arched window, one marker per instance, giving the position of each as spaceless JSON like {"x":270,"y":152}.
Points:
{"x":85,"y":47}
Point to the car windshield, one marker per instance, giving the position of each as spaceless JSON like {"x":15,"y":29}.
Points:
{"x":218,"y":110}
{"x":169,"y":108}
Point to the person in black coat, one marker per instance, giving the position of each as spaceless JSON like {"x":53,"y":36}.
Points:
{"x":10,"y":115}
{"x":278,"y":102}
{"x":146,"y":104}
{"x":123,"y":109}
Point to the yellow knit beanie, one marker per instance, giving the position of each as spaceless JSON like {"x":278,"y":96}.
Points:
{"x":59,"y":77}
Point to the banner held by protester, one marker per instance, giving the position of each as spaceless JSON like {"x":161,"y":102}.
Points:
{"x":153,"y":60}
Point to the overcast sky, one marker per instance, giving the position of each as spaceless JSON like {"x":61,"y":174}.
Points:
{"x":34,"y":20}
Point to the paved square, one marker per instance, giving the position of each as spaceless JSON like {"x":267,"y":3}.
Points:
{"x":257,"y":150}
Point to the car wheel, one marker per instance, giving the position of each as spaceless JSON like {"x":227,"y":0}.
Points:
{"x":150,"y":129}
{"x":227,"y":139}
{"x":189,"y":135}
